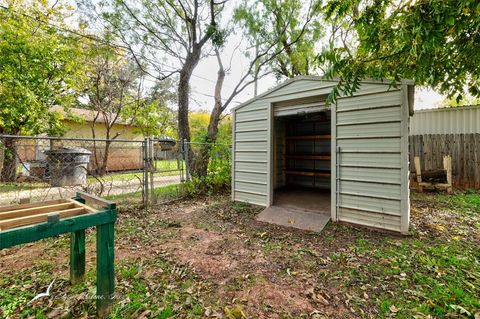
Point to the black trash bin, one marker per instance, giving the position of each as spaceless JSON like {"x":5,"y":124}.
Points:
{"x":67,"y":166}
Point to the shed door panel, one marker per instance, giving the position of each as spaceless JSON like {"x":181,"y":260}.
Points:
{"x":289,"y":110}
{"x":368,"y":160}
{"x":249,"y":164}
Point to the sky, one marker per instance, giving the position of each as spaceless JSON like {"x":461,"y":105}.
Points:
{"x":205,"y":74}
{"x":203,"y":84}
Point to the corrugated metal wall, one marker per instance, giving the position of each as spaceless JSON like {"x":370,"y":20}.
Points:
{"x":369,"y":134}
{"x":249,"y":167}
{"x":458,"y":120}
{"x":371,"y":129}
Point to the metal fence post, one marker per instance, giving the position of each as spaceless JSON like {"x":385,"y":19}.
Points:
{"x":145,"y":172}
{"x":151,"y":162}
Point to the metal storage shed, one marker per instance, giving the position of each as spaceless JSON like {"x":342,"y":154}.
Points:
{"x":349,"y":159}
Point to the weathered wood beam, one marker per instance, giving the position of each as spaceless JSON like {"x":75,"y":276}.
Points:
{"x":27,"y":234}
{"x":38,"y":218}
{"x":92,"y":199}
{"x":35,"y":210}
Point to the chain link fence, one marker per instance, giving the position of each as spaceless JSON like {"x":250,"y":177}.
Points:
{"x":41,"y":168}
{"x":149,"y":171}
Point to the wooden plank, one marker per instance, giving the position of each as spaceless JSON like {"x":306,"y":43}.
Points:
{"x":456,"y":160}
{"x":77,"y":256}
{"x":39,"y":218}
{"x":35,"y":210}
{"x":310,"y":137}
{"x":29,"y":205}
{"x":463,"y":162}
{"x":309,"y":157}
{"x":80,"y":204}
{"x":105,"y":269}
{"x":418,"y":169}
{"x":92,"y":199}
{"x":447,"y":165}
{"x":307,"y":173}
{"x":27,"y":234}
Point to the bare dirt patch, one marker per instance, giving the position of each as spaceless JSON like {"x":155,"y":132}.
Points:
{"x":209,"y":258}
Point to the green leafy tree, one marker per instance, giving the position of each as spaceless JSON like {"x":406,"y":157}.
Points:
{"x":113,"y":92}
{"x":281,"y":36}
{"x":38,"y":69}
{"x":436,"y":43}
{"x":452,"y":102}
{"x":156,"y":117}
{"x":156,"y":30}
{"x":291,"y":27}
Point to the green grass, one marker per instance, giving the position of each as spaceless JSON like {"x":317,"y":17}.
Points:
{"x":418,"y":278}
{"x":468,"y":202}
{"x":169,"y":165}
{"x":162,"y":194}
{"x":164,"y":168}
{"x":12,"y":187}
{"x":422,"y":275}
{"x":116,"y":177}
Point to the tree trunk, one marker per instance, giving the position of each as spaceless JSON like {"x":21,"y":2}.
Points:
{"x":9,"y":168}
{"x":103,"y":167}
{"x":183,"y":100}
{"x":201,"y":163}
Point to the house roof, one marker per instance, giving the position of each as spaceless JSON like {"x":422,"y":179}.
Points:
{"x":322,"y":79}
{"x":86,"y":115}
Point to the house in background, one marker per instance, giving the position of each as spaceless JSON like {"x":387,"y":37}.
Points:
{"x":81,"y":123}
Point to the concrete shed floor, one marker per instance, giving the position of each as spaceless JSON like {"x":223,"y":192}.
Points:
{"x":315,"y":200}
{"x":302,"y":208}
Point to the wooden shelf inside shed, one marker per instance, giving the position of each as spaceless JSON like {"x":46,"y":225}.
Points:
{"x":315,"y":173}
{"x":29,"y":214}
{"x":306,"y":152}
{"x":310,"y":137}
{"x":309,"y":156}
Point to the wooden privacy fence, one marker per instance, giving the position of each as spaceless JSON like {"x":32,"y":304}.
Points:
{"x":464,"y":149}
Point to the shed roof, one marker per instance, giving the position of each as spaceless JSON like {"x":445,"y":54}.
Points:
{"x":335,"y":80}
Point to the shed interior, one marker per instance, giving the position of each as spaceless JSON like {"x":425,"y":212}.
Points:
{"x":302,"y":160}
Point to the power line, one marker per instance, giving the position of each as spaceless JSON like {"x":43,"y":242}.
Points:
{"x":209,"y":95}
{"x":86,"y":36}
{"x":97,"y":39}
{"x":112,"y":45}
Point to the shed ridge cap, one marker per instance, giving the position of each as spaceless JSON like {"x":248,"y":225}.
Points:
{"x":318,"y":78}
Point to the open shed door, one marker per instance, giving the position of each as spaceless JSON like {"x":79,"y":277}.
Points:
{"x":312,"y":104}
{"x":370,"y":159}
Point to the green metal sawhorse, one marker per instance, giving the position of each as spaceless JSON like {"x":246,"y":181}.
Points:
{"x":103,"y":219}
